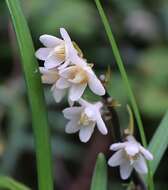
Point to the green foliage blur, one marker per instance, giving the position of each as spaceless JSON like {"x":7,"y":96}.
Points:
{"x":141,"y":30}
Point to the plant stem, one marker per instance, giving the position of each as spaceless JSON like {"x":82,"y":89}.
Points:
{"x":35,"y":95}
{"x":122,"y":70}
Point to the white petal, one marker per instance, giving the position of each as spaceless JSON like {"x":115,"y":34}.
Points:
{"x":130,"y":138}
{"x":52,"y":62}
{"x":66,"y":73}
{"x":62,"y":83}
{"x":72,"y":127}
{"x":116,"y":159}
{"x":72,"y":112}
{"x":43,"y":70}
{"x":90,"y":112}
{"x":58,"y":94}
{"x":98,"y":105}
{"x":71,"y":103}
{"x":69,"y":48}
{"x":50,"y":41}
{"x":48,"y":76}
{"x":64,"y":65}
{"x":132,"y":149}
{"x":43,"y":53}
{"x":66,"y":37}
{"x":146,"y":153}
{"x":125,"y":170}
{"x":85,"y":133}
{"x":95,"y":85}
{"x":83,"y":102}
{"x":140,"y":165}
{"x":76,"y":91}
{"x":117,"y":146}
{"x":100,"y":124}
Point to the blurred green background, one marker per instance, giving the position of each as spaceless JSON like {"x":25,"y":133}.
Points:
{"x":141,"y":30}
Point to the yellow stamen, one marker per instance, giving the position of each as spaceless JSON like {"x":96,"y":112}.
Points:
{"x":60,"y":51}
{"x":84,"y":119}
{"x":78,"y":75}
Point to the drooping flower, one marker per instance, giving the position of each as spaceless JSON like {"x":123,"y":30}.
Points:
{"x":57,"y":52}
{"x":84,"y":118}
{"x":130,"y":154}
{"x":75,"y":78}
{"x":50,"y":76}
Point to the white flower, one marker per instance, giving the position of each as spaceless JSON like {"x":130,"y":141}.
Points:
{"x":50,"y":76}
{"x":76,"y":78}
{"x":84,"y":119}
{"x":130,"y":154}
{"x":57,"y":51}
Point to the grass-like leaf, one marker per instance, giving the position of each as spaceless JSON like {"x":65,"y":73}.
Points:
{"x":35,"y":94}
{"x":10,"y":184}
{"x":99,"y":179}
{"x":122,"y":70}
{"x":124,"y":76}
{"x":159,"y":143}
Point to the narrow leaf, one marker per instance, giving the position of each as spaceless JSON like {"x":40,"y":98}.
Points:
{"x":10,"y":184}
{"x":99,"y":179}
{"x":122,"y":70}
{"x":35,"y":94}
{"x":125,"y":79}
{"x":159,"y":143}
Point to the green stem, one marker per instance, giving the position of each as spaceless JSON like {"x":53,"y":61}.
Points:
{"x":122,"y":70}
{"x":35,"y":95}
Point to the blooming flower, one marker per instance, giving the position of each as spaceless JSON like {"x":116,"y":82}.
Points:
{"x":129,"y":155}
{"x":76,"y":78}
{"x":56,"y":50}
{"x":84,"y":119}
{"x":74,"y":74}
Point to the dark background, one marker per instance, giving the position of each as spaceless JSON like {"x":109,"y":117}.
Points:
{"x":141,"y":31}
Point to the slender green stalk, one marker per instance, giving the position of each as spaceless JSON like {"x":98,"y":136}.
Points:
{"x":122,"y":70}
{"x":120,"y":65}
{"x":36,"y":97}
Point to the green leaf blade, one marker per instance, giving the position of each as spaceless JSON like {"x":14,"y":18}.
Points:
{"x":11,"y":184}
{"x":35,"y":95}
{"x":159,"y":143}
{"x":99,"y":179}
{"x":120,"y":64}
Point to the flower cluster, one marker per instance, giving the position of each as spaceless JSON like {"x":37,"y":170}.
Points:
{"x":68,"y":72}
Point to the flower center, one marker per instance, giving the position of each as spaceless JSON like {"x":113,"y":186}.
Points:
{"x":85,"y":120}
{"x":131,"y":158}
{"x":78,"y":75}
{"x":60,"y":51}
